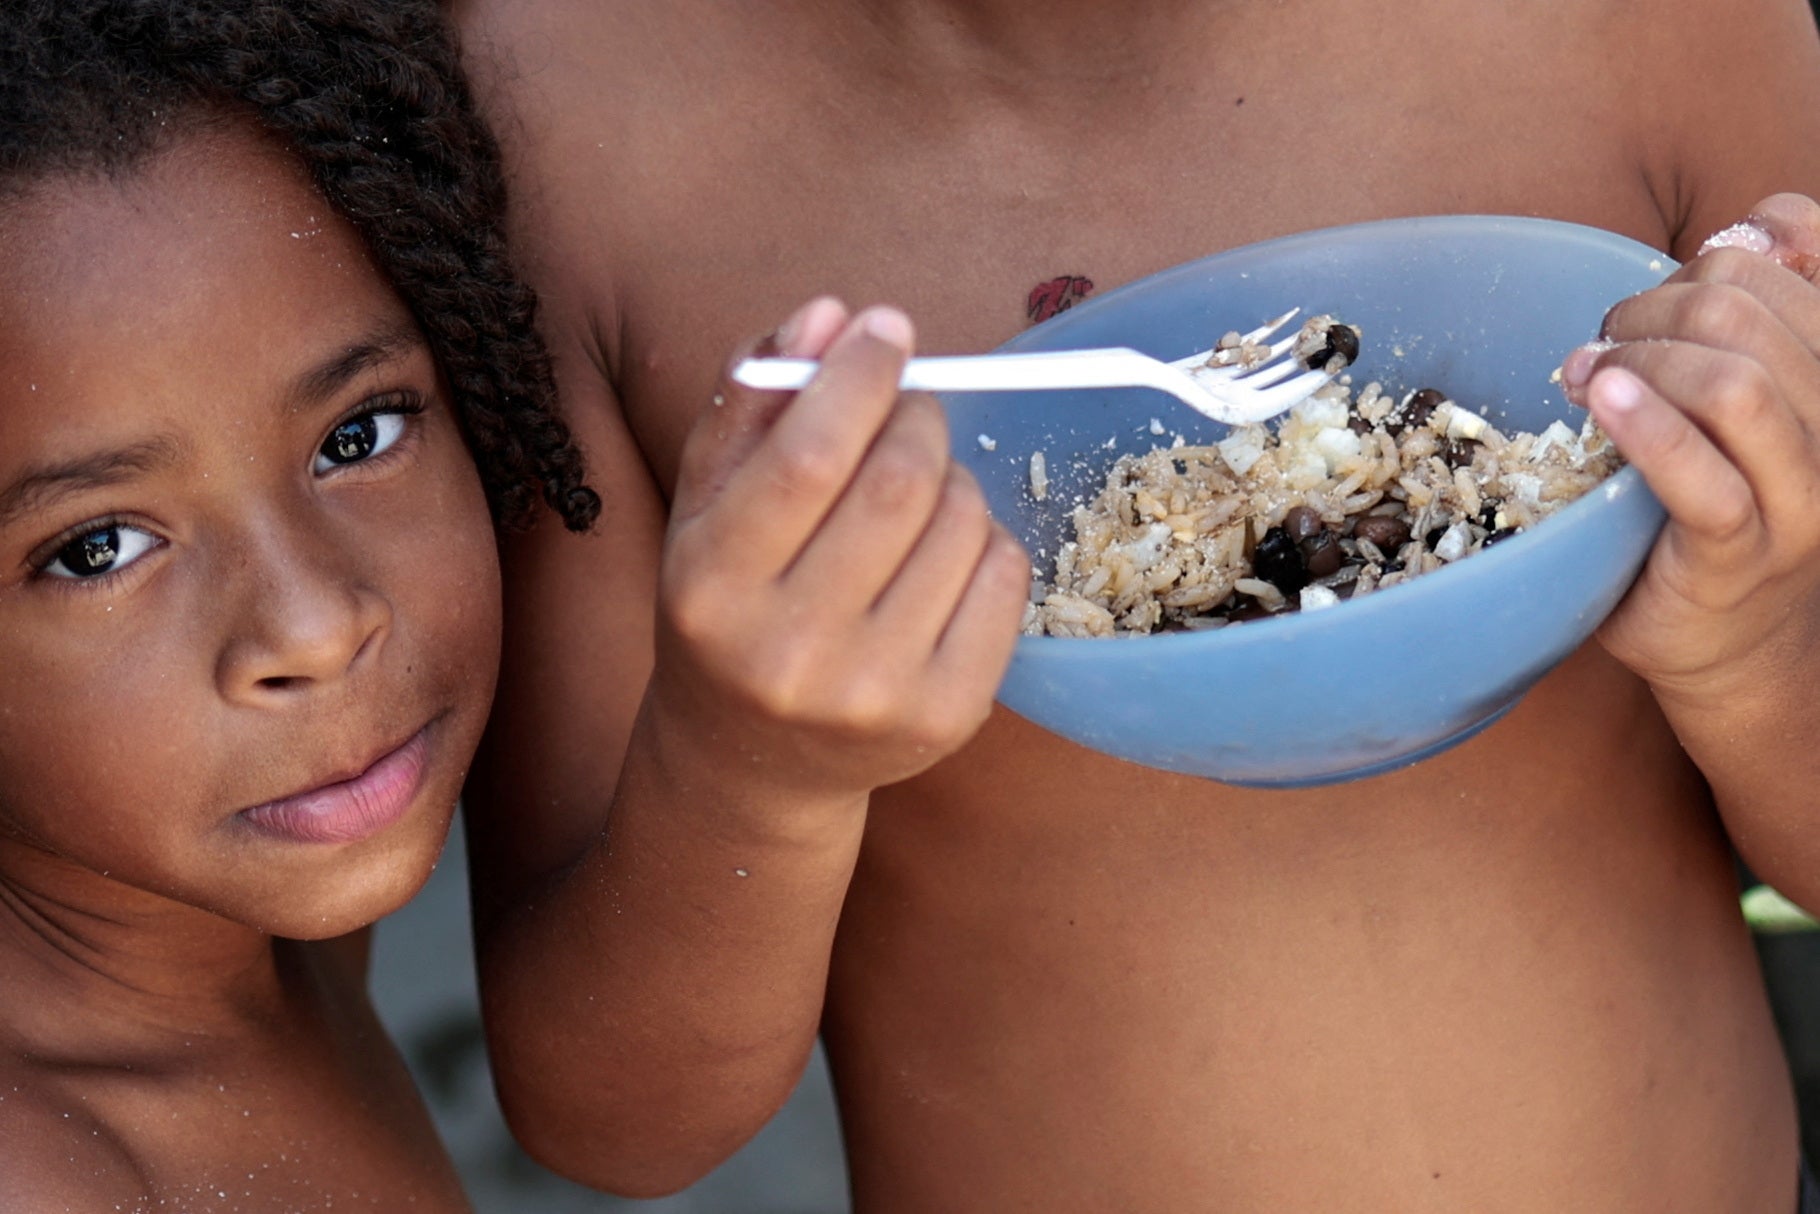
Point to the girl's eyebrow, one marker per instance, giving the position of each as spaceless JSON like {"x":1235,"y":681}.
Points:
{"x":380,"y":346}
{"x":42,"y":486}
{"x":38,"y":488}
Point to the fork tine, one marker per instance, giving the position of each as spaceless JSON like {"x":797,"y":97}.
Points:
{"x":1203,"y":359}
{"x":1265,"y":330}
{"x":1232,"y":371}
{"x":1264,"y":376}
{"x":1269,"y":402}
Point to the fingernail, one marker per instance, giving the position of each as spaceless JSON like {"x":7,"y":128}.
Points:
{"x":1745,"y":235}
{"x":792,"y":329}
{"x":889,"y":325}
{"x":1577,"y":367}
{"x":1616,"y":391}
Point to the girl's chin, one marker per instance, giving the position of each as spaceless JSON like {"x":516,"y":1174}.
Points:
{"x":348,"y":892}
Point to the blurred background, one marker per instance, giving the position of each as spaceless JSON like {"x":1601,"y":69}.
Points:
{"x":423,"y":983}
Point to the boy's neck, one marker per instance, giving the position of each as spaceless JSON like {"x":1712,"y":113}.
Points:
{"x":88,"y":959}
{"x":1074,"y":38}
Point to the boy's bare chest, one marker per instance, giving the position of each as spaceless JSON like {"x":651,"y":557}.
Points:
{"x":982,"y":226}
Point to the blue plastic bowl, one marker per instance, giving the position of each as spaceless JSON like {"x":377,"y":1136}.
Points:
{"x":1481,"y":307}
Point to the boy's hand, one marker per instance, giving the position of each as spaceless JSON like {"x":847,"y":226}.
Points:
{"x":1713,"y":392}
{"x":836,"y":608}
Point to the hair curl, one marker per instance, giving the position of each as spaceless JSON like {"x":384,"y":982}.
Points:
{"x":370,"y":97}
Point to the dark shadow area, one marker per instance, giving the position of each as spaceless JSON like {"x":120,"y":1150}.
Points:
{"x":1791,"y":971}
{"x":1791,"y":966}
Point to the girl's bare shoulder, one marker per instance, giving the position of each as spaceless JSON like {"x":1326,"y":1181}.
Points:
{"x":56,"y":1155}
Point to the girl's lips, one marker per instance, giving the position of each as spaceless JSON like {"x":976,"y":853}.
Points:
{"x":351,"y":809}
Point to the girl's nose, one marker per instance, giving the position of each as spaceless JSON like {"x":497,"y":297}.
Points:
{"x":304,"y":619}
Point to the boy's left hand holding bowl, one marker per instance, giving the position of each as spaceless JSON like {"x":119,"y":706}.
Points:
{"x":1710,"y":385}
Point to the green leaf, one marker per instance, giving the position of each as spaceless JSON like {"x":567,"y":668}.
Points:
{"x":1770,"y":913}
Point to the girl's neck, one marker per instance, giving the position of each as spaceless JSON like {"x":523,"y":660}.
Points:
{"x":87,"y":959}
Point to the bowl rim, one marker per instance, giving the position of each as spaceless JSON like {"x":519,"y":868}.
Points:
{"x":1482,"y":224}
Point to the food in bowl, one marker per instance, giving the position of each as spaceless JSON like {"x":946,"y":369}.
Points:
{"x":1481,"y":307}
{"x":1351,"y":493}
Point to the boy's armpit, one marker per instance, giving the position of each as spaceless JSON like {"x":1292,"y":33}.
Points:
{"x":1736,"y":110}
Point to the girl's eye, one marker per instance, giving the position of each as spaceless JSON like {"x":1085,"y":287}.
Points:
{"x":359,"y":438}
{"x":103,"y":550}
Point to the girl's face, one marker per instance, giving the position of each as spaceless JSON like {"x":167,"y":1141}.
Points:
{"x":248,"y":590}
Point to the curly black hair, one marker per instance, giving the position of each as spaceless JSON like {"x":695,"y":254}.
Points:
{"x":370,"y":97}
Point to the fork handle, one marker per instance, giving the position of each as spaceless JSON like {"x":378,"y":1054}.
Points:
{"x":1102,"y":368}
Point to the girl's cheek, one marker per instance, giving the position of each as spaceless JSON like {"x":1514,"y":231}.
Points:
{"x":82,"y":725}
{"x":459,"y":570}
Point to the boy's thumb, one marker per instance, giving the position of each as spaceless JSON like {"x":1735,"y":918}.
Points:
{"x":737,"y":418}
{"x":1785,"y":227}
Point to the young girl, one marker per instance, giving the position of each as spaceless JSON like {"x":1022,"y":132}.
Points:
{"x":263,"y":372}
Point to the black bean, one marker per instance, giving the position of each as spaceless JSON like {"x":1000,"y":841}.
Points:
{"x":1434,"y":537}
{"x":1321,"y":554}
{"x":1278,"y":561}
{"x":1414,"y":411}
{"x":1488,"y":512}
{"x":1342,"y":341}
{"x":1457,"y":452}
{"x":1421,"y":403}
{"x":1387,"y":532}
{"x":1498,"y":537}
{"x":1301,"y":523}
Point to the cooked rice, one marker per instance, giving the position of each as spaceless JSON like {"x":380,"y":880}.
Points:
{"x":1173,"y":540}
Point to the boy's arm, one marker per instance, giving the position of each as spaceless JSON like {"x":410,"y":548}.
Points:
{"x":647,"y":1008}
{"x":596,"y":1048}
{"x":615,"y":981}
{"x":1725,"y":620}
{"x":1714,"y":393}
{"x":694,"y":704}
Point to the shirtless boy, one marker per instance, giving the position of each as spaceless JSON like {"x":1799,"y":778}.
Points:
{"x":1512,"y":977}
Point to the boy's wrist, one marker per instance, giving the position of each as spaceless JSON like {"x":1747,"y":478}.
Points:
{"x":1738,"y":710}
{"x":743,"y":794}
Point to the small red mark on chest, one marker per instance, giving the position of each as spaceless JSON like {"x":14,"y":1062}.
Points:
{"x":1056,"y":295}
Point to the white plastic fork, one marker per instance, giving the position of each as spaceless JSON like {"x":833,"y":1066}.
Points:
{"x":1234,"y":393}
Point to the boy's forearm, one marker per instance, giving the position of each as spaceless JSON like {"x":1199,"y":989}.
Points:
{"x":652,"y":1005}
{"x":1758,"y":745}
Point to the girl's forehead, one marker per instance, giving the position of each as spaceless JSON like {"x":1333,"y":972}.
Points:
{"x":214,"y":270}
{"x":218,"y":208}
